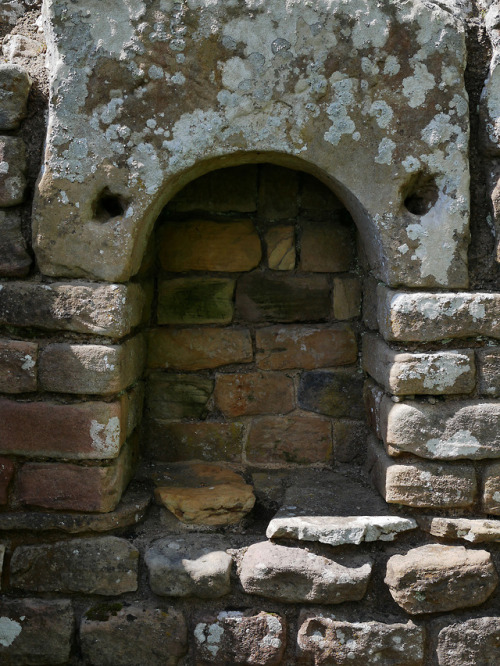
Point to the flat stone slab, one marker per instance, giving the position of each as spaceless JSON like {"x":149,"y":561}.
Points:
{"x":334,"y":509}
{"x":474,"y":530}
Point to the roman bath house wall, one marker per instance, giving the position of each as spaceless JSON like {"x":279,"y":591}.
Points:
{"x":249,"y":332}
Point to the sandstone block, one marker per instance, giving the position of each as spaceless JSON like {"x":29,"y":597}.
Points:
{"x":197,"y":566}
{"x":254,"y":393}
{"x":199,"y":349}
{"x":471,"y":643}
{"x":35,"y":631}
{"x":12,"y":170}
{"x":349,"y":440}
{"x":234,"y":637}
{"x":491,"y":492}
{"x":278,"y":192}
{"x":199,"y":245}
{"x":437,"y":578}
{"x":489,"y":371}
{"x":195,"y":301}
{"x":295,"y":438}
{"x":346,"y":297}
{"x":426,"y":316}
{"x":280,"y":243}
{"x":296,"y":576}
{"x":284,"y":298}
{"x":18,"y":361}
{"x":432,"y":373}
{"x":283,"y":347}
{"x":474,"y":530}
{"x":84,"y":369}
{"x":15,"y":85}
{"x":443,"y":431}
{"x":325,"y":640}
{"x":422,"y":484}
{"x":14,"y":258}
{"x":326,"y":246}
{"x":318,"y":197}
{"x":104,"y":565}
{"x":338,"y":393}
{"x":100,"y":309}
{"x":128,"y":635}
{"x":6,"y":474}
{"x":174,"y":396}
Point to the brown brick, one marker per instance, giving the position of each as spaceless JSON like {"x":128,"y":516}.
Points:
{"x":6,"y":474}
{"x":195,"y":301}
{"x":349,"y":441}
{"x":296,"y":438}
{"x":282,"y":347}
{"x":280,"y":242}
{"x":198,"y":349}
{"x":278,"y":192}
{"x":14,"y":258}
{"x":332,"y":392}
{"x":65,"y":486}
{"x":210,"y":441}
{"x":173,"y":396}
{"x":346,"y":297}
{"x":18,"y":366}
{"x":200,"y":245}
{"x":254,"y":393}
{"x":326,"y":246}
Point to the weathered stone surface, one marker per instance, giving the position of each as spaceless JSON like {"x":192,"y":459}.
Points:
{"x":280,"y":242}
{"x":254,"y":393}
{"x":14,"y":258}
{"x":346,"y":297}
{"x":445,"y":431}
{"x":437,"y":578}
{"x":18,"y":361}
{"x":491,"y":492}
{"x":488,"y":361}
{"x":19,"y":46}
{"x":195,"y":301}
{"x":471,"y":643}
{"x":349,"y":440}
{"x":204,"y":440}
{"x":104,"y":565}
{"x":493,"y":185}
{"x":426,"y":316}
{"x":325,"y":640}
{"x":295,"y":575}
{"x":284,"y":298}
{"x":128,"y":635}
{"x":421,"y":484}
{"x":326,"y":246}
{"x":84,"y":369}
{"x":240,"y":638}
{"x":6,"y":474}
{"x":101,"y":309}
{"x":198,"y":349}
{"x":490,"y":106}
{"x":177,"y":396}
{"x":307,"y":347}
{"x":474,"y":530}
{"x":432,"y":373}
{"x":338,"y":393}
{"x":35,"y":631}
{"x":2,"y":554}
{"x":191,"y":566}
{"x":200,"y":245}
{"x":15,"y":85}
{"x":202,"y":494}
{"x":294,"y":438}
{"x":278,"y":192}
{"x":11,"y":10}
{"x":12,"y":170}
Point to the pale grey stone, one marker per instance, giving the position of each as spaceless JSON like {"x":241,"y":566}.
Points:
{"x":15,"y":85}
{"x":488,"y":361}
{"x":474,"y":530}
{"x":471,"y":643}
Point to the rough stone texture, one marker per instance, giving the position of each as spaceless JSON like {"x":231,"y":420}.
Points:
{"x":35,"y":631}
{"x":302,"y":97}
{"x":346,"y":297}
{"x":105,"y":565}
{"x":198,"y":349}
{"x":434,"y":373}
{"x":472,"y":643}
{"x":15,"y":85}
{"x":283,"y":298}
{"x":240,"y":638}
{"x":280,"y":243}
{"x":195,"y":301}
{"x":325,"y":640}
{"x":193,"y":566}
{"x":19,"y":46}
{"x":488,"y":361}
{"x":425,"y":316}
{"x":326,"y":247}
{"x":6,"y":474}
{"x":421,"y":484}
{"x":349,"y":441}
{"x":338,"y":393}
{"x":436,"y":578}
{"x":18,"y":362}
{"x":12,"y":170}
{"x":474,"y":530}
{"x":491,"y":492}
{"x":133,"y":634}
{"x":296,"y":576}
{"x":101,"y":309}
{"x":490,"y":105}
{"x":176,"y":396}
{"x":98,"y":369}
{"x":254,"y":393}
{"x":14,"y":258}
{"x":307,"y":347}
{"x":294,"y":438}
{"x":445,"y":431}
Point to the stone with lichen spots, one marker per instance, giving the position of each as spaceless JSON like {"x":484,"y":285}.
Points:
{"x":491,"y":492}
{"x":489,"y":371}
{"x":471,"y":643}
{"x":12,"y":170}
{"x":15,"y":85}
{"x":18,"y":366}
{"x":489,"y":108}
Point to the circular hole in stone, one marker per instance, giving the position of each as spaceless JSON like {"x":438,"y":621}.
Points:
{"x":108,"y":205}
{"x":420,"y":194}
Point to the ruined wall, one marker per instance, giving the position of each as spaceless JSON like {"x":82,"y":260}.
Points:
{"x":249,"y":325}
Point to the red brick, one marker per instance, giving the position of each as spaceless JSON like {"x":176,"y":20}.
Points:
{"x":6,"y":473}
{"x":254,"y":393}
{"x":18,"y":366}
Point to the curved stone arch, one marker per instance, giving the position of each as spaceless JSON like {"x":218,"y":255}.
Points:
{"x":368,"y":97}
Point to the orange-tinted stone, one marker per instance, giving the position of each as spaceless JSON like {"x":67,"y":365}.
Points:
{"x":280,"y":242}
{"x":346,"y":297}
{"x":254,"y":393}
{"x":18,"y":366}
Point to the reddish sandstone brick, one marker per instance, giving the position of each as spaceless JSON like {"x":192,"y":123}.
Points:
{"x":254,"y":393}
{"x":18,"y":366}
{"x":6,"y":473}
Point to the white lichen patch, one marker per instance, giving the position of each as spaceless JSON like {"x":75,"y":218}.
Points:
{"x":106,"y":436}
{"x":385,"y":150}
{"x":416,"y":87}
{"x":9,"y":631}
{"x":460,"y":445}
